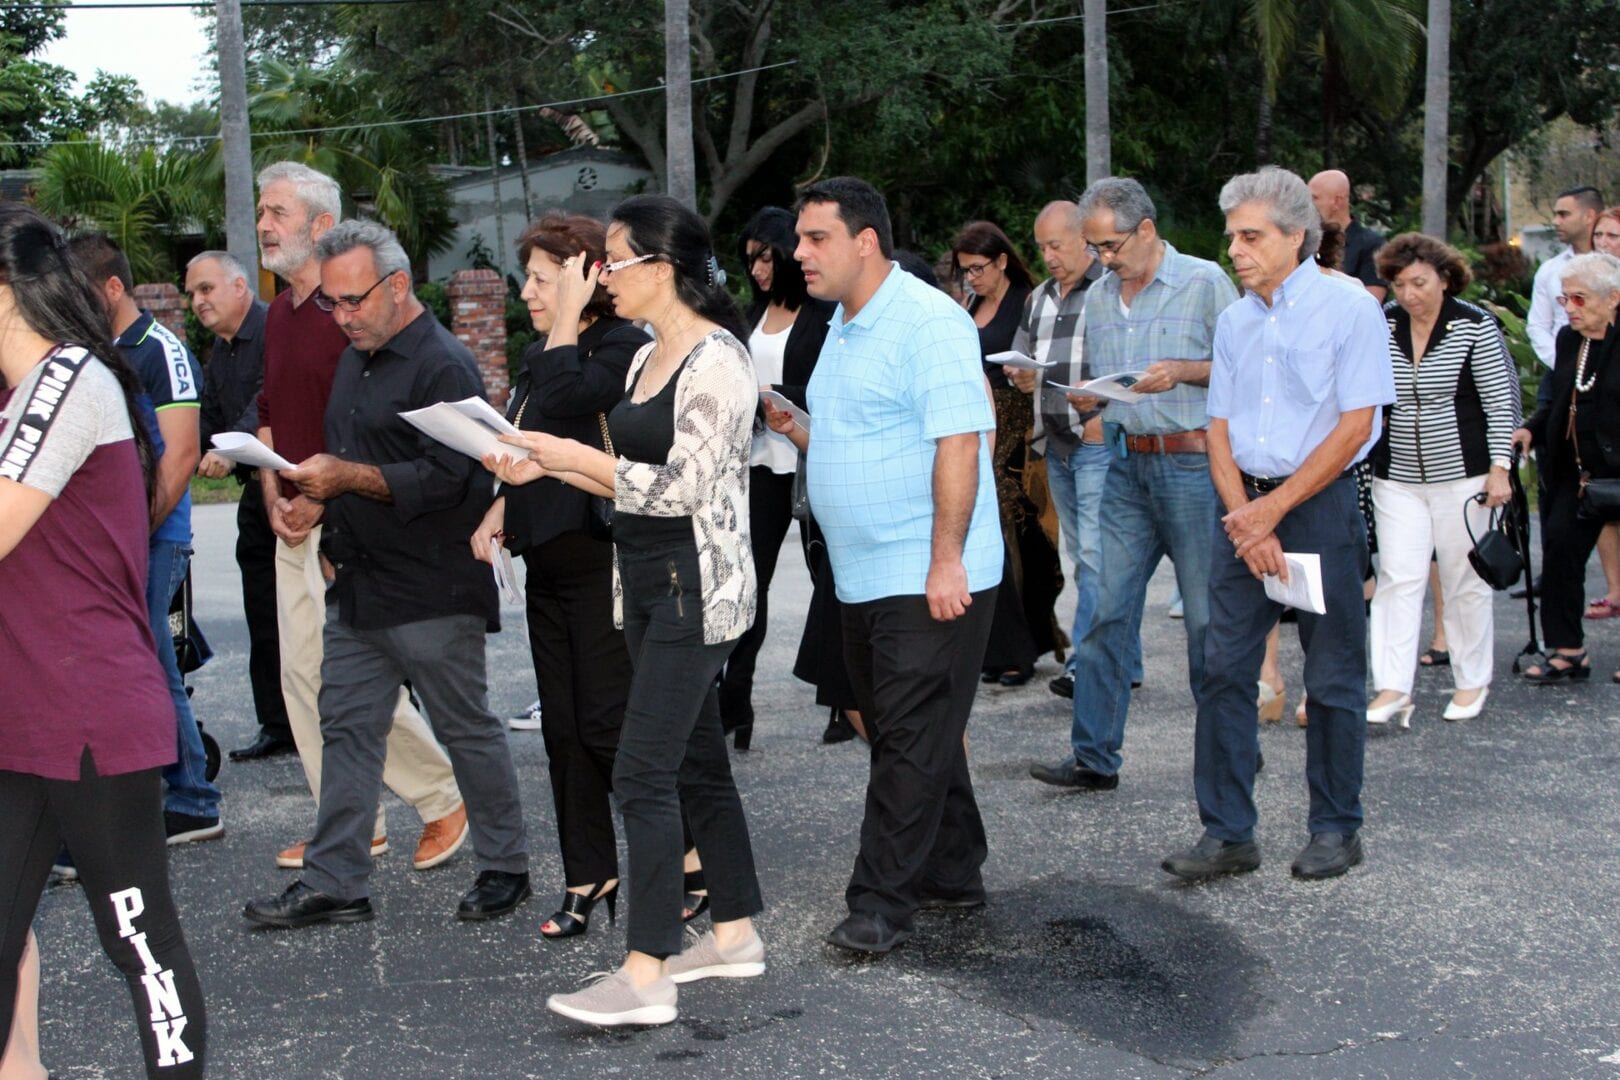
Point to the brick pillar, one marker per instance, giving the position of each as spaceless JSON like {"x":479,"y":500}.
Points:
{"x":478,"y":318}
{"x":166,"y":303}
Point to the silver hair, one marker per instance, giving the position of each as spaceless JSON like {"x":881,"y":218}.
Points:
{"x":1596,"y":270}
{"x":1287,"y":200}
{"x":318,"y":192}
{"x":1125,"y":197}
{"x":233,"y":268}
{"x":386,"y":253}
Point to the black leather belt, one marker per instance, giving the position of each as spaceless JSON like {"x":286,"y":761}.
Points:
{"x":1267,"y":484}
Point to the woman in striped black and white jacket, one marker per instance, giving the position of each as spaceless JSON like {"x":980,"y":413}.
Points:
{"x":1447,"y":439}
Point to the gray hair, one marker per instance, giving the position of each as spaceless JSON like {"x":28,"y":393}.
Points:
{"x":1065,"y":211}
{"x":386,"y":253}
{"x":229,"y":263}
{"x":1125,"y":197}
{"x":1595,"y":270}
{"x":1286,"y":198}
{"x":318,"y":192}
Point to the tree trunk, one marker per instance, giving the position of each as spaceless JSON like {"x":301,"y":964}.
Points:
{"x":1262,"y":123}
{"x":1436,"y":118}
{"x":681,"y":169}
{"x":241,"y":238}
{"x":495,"y":187}
{"x":1099,"y":141}
{"x":523,"y":167}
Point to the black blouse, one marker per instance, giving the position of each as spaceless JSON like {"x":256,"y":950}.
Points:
{"x":1549,"y":428}
{"x":997,"y":335}
{"x":562,"y":392}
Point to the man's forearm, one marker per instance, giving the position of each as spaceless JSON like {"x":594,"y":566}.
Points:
{"x":1223,"y":470}
{"x":173,"y":476}
{"x":956,"y":485}
{"x":1194,"y":372}
{"x":366,"y":480}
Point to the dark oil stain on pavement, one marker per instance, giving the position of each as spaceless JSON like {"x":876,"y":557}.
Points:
{"x":1124,"y":965}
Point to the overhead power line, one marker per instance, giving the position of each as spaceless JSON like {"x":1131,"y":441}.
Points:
{"x":593,"y":99}
{"x":111,"y":6}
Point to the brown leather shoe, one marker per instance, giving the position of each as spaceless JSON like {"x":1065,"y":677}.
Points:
{"x":293,"y":858}
{"x":441,"y":839}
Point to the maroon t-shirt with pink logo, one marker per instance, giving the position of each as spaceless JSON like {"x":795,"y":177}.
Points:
{"x":78,"y":665}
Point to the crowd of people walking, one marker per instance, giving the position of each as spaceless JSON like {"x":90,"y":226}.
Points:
{"x":935,"y":449}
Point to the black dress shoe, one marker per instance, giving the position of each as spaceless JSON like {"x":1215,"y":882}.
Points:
{"x":1070,"y":773}
{"x":265,"y":746}
{"x":1017,"y":676}
{"x":1211,"y":858}
{"x":839,"y":729}
{"x":495,"y":893}
{"x":934,"y":901}
{"x":1328,"y":855}
{"x":1062,"y":686}
{"x":868,"y":932}
{"x":300,"y":905}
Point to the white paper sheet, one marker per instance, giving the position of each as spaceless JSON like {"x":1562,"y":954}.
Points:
{"x":1112,"y":387}
{"x":245,"y":449}
{"x":505,"y":573}
{"x":1014,"y":359}
{"x":471,"y":426}
{"x":777,"y":401}
{"x":1304,"y":587}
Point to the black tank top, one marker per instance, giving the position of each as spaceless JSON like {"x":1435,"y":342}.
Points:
{"x":644,"y":431}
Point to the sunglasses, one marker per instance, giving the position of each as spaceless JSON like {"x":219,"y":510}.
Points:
{"x":1572,"y":300}
{"x":615,"y":267}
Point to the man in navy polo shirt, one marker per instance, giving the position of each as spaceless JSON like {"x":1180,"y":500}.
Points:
{"x":173,"y":386}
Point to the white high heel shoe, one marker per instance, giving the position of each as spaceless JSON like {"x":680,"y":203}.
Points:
{"x":1469,"y":711}
{"x":1399,"y":710}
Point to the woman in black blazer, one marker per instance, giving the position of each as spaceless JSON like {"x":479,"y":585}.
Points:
{"x":568,"y":381}
{"x":1577,"y":431}
{"x":788,"y":328}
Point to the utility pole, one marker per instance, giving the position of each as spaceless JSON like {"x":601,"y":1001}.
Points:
{"x":241,"y":238}
{"x":680,"y":167}
{"x":1437,"y":118}
{"x":1099,"y":136}
{"x":495,"y":188}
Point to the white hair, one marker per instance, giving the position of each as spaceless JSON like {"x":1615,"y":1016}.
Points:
{"x":1286,"y":198}
{"x":1595,"y":270}
{"x":233,"y":268}
{"x":386,"y":253}
{"x":318,"y":192}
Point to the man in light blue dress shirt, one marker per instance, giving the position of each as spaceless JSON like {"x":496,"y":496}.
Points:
{"x":1154,"y":312}
{"x":899,"y":478}
{"x":1302,"y":365}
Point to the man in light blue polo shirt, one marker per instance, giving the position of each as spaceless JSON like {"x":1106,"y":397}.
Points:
{"x":1302,"y":365}
{"x":899,"y":476}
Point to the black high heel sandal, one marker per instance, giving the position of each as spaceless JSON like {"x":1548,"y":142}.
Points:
{"x":1575,"y":669}
{"x":696,"y":900}
{"x":574,"y":917}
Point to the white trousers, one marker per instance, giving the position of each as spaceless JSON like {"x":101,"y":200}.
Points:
{"x":1413,"y":521}
{"x":416,"y":768}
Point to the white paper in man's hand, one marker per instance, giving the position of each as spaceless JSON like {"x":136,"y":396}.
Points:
{"x":245,"y":449}
{"x":1115,"y":387}
{"x":1303,"y":590}
{"x":470,"y":426}
{"x":782,"y":404}
{"x":1023,"y":361}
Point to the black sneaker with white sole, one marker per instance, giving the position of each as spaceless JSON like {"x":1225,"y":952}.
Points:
{"x":528,"y":719}
{"x":189,"y":828}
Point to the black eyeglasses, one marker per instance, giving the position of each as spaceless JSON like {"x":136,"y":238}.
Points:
{"x":1112,"y":247}
{"x":347,"y":303}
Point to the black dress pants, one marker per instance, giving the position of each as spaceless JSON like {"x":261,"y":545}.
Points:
{"x":770,"y":513}
{"x":915,"y":679}
{"x":1567,"y":540}
{"x":583,"y":669}
{"x":256,"y":557}
{"x":114,"y":827}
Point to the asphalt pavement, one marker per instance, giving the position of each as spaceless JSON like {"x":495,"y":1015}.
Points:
{"x":1479,"y":939}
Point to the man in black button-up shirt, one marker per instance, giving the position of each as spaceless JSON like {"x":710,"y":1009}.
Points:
{"x":225,"y":305}
{"x":407,"y":601}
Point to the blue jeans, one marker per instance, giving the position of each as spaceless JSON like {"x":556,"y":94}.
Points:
{"x":186,"y":782}
{"x":1158,"y":504}
{"x":1330,"y":524}
{"x":1076,"y":483}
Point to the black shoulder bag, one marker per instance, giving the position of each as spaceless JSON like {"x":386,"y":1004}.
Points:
{"x":599,"y":516}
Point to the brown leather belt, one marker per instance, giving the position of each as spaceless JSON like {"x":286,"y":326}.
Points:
{"x":1177,"y":442}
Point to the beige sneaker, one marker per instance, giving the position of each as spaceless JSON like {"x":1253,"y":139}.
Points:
{"x":705,"y":960}
{"x":441,"y":839}
{"x":293,"y":858}
{"x":611,"y":1000}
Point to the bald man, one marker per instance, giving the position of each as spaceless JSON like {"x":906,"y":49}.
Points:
{"x":1330,"y":191}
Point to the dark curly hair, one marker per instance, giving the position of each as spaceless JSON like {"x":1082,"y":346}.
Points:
{"x":1414,"y":247}
{"x":562,"y":236}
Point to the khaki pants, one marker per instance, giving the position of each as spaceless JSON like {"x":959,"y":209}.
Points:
{"x":416,"y":768}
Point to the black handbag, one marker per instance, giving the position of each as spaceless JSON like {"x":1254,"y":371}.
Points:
{"x":1493,"y":556}
{"x":599,"y":515}
{"x":1597,"y":498}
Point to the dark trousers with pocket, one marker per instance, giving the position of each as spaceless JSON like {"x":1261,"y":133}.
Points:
{"x":1335,"y":643}
{"x":1567,"y":540}
{"x":583,"y":668}
{"x":256,"y":558}
{"x":114,"y":827}
{"x":915,"y":679}
{"x":672,"y":755}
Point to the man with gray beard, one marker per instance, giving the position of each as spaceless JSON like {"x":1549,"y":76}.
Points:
{"x":302,"y":343}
